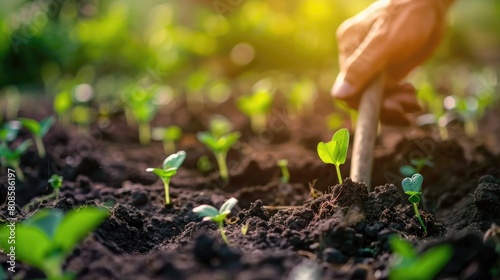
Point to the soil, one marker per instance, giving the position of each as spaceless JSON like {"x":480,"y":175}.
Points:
{"x":342,"y":233}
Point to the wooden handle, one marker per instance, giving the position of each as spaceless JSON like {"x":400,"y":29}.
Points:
{"x":366,"y":131}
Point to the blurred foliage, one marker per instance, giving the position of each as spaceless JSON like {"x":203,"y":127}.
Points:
{"x":56,"y":44}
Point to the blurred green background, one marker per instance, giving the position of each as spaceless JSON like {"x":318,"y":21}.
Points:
{"x":47,"y":45}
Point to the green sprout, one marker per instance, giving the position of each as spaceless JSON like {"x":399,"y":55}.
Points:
{"x":8,"y":132}
{"x":210,"y":213}
{"x":169,"y":135}
{"x":411,"y":187}
{"x":245,"y":227}
{"x":38,"y":130}
{"x":204,"y":164}
{"x":141,"y":105}
{"x":406,"y":264}
{"x":220,"y":126}
{"x":285,"y":174}
{"x":47,"y":238}
{"x":63,"y":102}
{"x":302,"y":96}
{"x":56,"y":182}
{"x":256,"y":107}
{"x":416,"y":166}
{"x":11,"y":157}
{"x":169,"y":168}
{"x":335,"y":151}
{"x":220,"y":147}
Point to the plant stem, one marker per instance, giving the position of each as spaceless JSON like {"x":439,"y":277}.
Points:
{"x":52,"y":268}
{"x":57,"y":193}
{"x":415,"y":207}
{"x":285,"y":174}
{"x":166,"y":183}
{"x":40,"y":147}
{"x":338,"y":173}
{"x":19,"y":172}
{"x":144,"y":133}
{"x":258,"y":123}
{"x":222,"y":232}
{"x":221,"y":161}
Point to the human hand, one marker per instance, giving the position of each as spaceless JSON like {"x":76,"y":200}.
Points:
{"x":390,"y":36}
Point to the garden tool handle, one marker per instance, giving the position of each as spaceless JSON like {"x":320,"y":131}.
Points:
{"x":366,"y":131}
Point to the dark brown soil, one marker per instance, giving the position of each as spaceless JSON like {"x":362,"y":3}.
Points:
{"x":342,"y":233}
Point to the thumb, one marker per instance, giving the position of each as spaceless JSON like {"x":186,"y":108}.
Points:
{"x":369,"y":59}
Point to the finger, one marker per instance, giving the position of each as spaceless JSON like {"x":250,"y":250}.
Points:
{"x":368,"y":59}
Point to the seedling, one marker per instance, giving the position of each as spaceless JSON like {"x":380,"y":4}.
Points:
{"x":48,"y":237}
{"x":56,"y":182}
{"x":38,"y":130}
{"x":406,"y":264}
{"x":416,"y":166}
{"x":169,"y":168}
{"x":140,"y":103}
{"x":204,"y":164}
{"x":285,"y":174}
{"x":62,"y":106}
{"x":301,"y":96}
{"x":244,"y":227}
{"x":11,"y":157}
{"x":256,"y":107}
{"x":411,"y":187}
{"x":210,"y":213}
{"x":169,"y":135}
{"x":8,"y":132}
{"x":220,"y":126}
{"x":220,"y":147}
{"x":335,"y":151}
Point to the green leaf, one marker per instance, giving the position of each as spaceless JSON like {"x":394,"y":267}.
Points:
{"x":9,"y":131}
{"x":220,"y":217}
{"x":206,"y":211}
{"x":47,"y":221}
{"x":62,"y":102}
{"x":172,"y":133}
{"x":342,"y":139}
{"x":21,"y":149}
{"x":407,"y":170}
{"x":219,"y":126}
{"x":174,"y":160}
{"x":327,"y":151}
{"x":32,"y":125}
{"x":157,"y":171}
{"x":56,"y":181}
{"x":76,"y":225}
{"x":208,"y":139}
{"x":228,"y":205}
{"x":402,"y":247}
{"x":258,"y":103}
{"x":45,"y":125}
{"x":433,"y":260}
{"x":412,"y":184}
{"x":32,"y":244}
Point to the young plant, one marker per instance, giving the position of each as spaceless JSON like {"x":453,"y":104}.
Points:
{"x":38,"y":130}
{"x":11,"y":157}
{"x":210,"y":213}
{"x":220,"y":126}
{"x":301,"y":96}
{"x":335,"y":151}
{"x":407,"y":264}
{"x":63,"y":102}
{"x":141,"y":104}
{"x":416,"y":166}
{"x":169,"y":168}
{"x":56,"y":182}
{"x":8,"y":132}
{"x":48,"y":237}
{"x":256,"y":107}
{"x":204,"y":164}
{"x":411,"y":187}
{"x":220,"y":147}
{"x":169,"y":135}
{"x":285,"y":174}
